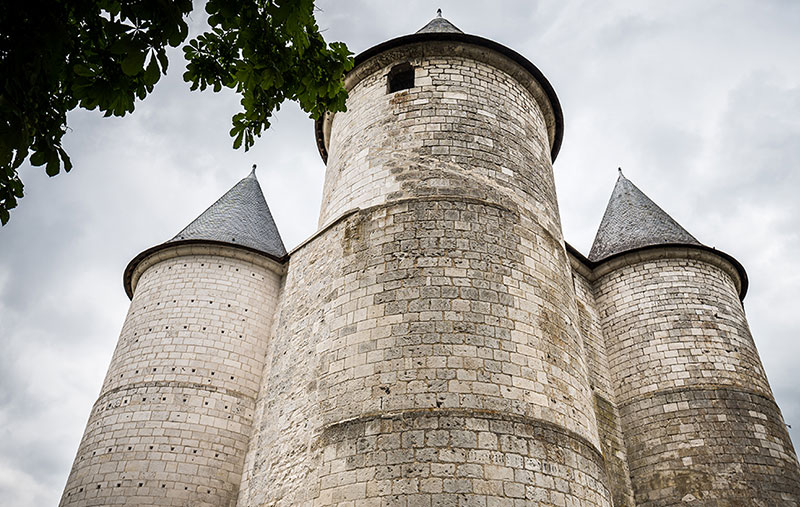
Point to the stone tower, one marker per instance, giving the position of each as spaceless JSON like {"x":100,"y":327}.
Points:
{"x":174,"y":415}
{"x":436,"y":342}
{"x":695,"y":407}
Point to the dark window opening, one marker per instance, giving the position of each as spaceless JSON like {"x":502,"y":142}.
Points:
{"x":401,"y":77}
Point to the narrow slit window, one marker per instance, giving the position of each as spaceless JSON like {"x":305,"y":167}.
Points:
{"x":401,"y":77}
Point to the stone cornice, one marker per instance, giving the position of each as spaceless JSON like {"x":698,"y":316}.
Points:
{"x":594,"y":270}
{"x":165,"y":251}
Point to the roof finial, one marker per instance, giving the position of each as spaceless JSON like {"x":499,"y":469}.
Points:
{"x":253,"y":172}
{"x":438,"y":13}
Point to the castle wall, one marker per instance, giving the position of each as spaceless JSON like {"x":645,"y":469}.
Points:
{"x":467,"y":126}
{"x":282,"y":463}
{"x":699,"y":420}
{"x":174,"y":415}
{"x":602,"y":386}
{"x":369,"y":397}
{"x":426,"y":350}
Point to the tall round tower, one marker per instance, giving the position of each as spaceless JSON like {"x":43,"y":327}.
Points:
{"x":174,"y":415}
{"x":426,"y":352}
{"x":699,"y":420}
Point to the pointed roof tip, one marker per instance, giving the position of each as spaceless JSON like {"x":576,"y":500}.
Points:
{"x":631,"y":221}
{"x":439,"y":25}
{"x":240,"y":217}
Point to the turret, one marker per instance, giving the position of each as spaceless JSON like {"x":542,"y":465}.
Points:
{"x":174,"y":415}
{"x":428,"y":354}
{"x":698,"y":417}
{"x":441,"y":112}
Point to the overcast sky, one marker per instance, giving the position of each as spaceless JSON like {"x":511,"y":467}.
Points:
{"x":698,"y":102}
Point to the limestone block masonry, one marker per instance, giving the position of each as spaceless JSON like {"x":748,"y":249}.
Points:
{"x":436,"y":343}
{"x":695,"y":406}
{"x":174,"y":415}
{"x":422,"y":332}
{"x":454,"y":315}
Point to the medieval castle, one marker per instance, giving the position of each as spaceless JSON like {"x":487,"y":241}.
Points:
{"x":436,"y":343}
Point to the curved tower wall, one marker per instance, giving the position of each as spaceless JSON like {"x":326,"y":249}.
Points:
{"x":602,"y":385}
{"x":174,"y":415}
{"x":473,"y":125}
{"x":698,"y":416}
{"x":442,"y":363}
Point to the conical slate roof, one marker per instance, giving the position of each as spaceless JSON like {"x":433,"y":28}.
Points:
{"x":240,"y":217}
{"x":633,"y":221}
{"x":439,"y":25}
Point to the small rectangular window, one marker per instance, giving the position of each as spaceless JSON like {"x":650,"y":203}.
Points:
{"x":401,"y":77}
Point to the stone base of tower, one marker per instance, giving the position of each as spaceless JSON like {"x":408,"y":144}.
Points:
{"x":713,"y":446}
{"x":158,"y":443}
{"x":699,"y":421}
{"x":456,"y":458}
{"x":397,"y":376}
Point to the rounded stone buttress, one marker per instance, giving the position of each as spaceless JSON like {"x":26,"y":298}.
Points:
{"x":443,"y":364}
{"x":698,"y":416}
{"x":174,"y":415}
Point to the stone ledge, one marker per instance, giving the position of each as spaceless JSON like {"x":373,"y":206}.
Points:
{"x":165,"y":251}
{"x":593,"y":271}
{"x":696,"y":388}
{"x":434,"y":198}
{"x":337,"y":431}
{"x":171,"y":385}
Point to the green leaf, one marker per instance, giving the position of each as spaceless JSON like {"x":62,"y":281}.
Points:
{"x":162,"y":59}
{"x":82,"y":70}
{"x":237,"y":142}
{"x":133,"y":63}
{"x":65,"y":159}
{"x":175,"y":38}
{"x":53,"y":166}
{"x":122,"y":45}
{"x":39,"y":158}
{"x":151,"y":74}
{"x":6,"y":155}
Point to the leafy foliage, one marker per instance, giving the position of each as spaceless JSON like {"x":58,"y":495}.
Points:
{"x":268,"y":52}
{"x":56,"y":55}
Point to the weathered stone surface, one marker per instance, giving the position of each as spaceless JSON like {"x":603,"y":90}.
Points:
{"x":722,"y":446}
{"x":174,"y":416}
{"x":431,"y":322}
{"x":696,"y":409}
{"x":467,"y":127}
{"x":602,"y":385}
{"x":434,"y":458}
{"x":449,"y":290}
